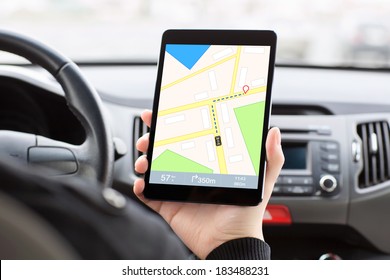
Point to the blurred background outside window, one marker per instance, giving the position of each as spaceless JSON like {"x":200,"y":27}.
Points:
{"x":322,"y":32}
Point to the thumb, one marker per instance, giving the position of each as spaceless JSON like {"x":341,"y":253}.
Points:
{"x":275,"y":159}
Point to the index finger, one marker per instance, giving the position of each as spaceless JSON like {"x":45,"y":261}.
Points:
{"x":146,"y":116}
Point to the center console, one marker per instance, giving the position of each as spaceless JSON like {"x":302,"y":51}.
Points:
{"x":311,"y":168}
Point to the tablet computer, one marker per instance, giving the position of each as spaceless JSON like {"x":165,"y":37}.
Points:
{"x":211,"y":116}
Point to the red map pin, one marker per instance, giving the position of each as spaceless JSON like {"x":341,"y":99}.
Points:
{"x":245,"y":89}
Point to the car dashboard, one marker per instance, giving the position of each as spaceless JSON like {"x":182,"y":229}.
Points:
{"x":335,"y":184}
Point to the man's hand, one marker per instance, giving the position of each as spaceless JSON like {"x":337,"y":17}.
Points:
{"x":203,"y":227}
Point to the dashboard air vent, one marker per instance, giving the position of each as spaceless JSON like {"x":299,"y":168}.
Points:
{"x":376,"y":153}
{"x":139,"y":129}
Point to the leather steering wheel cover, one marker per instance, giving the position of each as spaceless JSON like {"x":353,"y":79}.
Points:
{"x":82,"y":99}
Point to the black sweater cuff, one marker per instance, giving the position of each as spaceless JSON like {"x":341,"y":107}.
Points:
{"x":241,"y":249}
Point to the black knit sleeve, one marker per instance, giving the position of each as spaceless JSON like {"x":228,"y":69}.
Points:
{"x":241,"y":249}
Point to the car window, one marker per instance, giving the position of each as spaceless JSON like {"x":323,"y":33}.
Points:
{"x":323,"y":32}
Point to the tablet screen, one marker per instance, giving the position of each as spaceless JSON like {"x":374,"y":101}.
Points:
{"x":210,"y":115}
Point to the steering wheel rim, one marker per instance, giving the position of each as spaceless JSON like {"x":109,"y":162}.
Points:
{"x":95,"y":157}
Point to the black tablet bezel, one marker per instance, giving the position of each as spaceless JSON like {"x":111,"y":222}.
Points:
{"x":205,"y":194}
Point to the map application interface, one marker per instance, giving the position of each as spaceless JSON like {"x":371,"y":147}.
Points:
{"x":210,"y":116}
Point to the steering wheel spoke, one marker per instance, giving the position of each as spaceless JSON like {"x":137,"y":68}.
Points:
{"x":94,"y":159}
{"x":59,"y":158}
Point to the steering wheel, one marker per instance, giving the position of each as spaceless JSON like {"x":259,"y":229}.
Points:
{"x":92,"y":159}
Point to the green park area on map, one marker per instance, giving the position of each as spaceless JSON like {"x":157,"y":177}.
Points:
{"x":170,"y":161}
{"x":250,"y":120}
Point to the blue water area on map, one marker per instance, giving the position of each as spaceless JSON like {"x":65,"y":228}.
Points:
{"x":188,"y":55}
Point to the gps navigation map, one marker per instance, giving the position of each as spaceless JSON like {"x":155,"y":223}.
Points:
{"x":210,"y":116}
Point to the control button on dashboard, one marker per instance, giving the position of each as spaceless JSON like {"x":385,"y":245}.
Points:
{"x":328,"y":183}
{"x":298,"y":190}
{"x":330,"y":157}
{"x":329,"y":146}
{"x":290,"y":180}
{"x":331,"y":167}
{"x":279,"y":180}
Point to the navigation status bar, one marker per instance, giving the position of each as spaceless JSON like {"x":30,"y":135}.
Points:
{"x":204,"y":180}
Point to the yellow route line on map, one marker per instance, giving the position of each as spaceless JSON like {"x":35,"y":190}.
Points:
{"x":198,"y":72}
{"x":184,"y":107}
{"x":212,"y":115}
{"x":184,"y":137}
{"x":219,"y":149}
{"x":234,"y":78}
{"x":210,"y":101}
{"x":221,"y":160}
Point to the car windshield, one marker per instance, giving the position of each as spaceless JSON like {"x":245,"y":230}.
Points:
{"x":323,"y":32}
